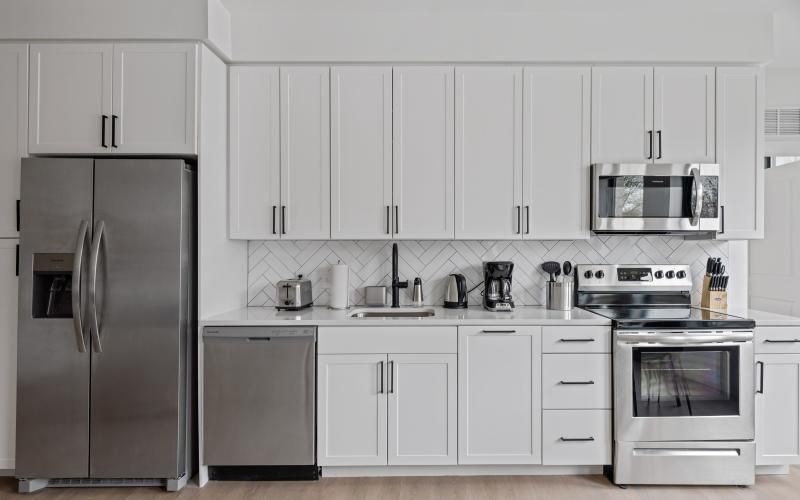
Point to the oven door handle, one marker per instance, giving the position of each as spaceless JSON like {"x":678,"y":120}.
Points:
{"x":697,"y":209}
{"x":639,"y":338}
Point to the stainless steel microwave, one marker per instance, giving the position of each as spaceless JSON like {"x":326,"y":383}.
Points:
{"x":655,"y":198}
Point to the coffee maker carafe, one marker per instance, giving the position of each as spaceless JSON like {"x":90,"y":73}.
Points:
{"x":497,"y":286}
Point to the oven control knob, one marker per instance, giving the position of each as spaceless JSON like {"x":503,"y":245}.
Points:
{"x":670,"y":275}
{"x":681,"y":275}
{"x":659,"y":274}
{"x":599,"y":275}
{"x":588,"y":275}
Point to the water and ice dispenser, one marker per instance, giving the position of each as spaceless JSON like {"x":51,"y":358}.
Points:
{"x":52,"y":285}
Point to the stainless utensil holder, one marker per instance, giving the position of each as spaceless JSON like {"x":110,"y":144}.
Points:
{"x":560,"y":295}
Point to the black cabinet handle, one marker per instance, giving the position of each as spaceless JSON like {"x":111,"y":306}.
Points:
{"x":498,"y":331}
{"x":722,"y":217}
{"x":660,"y":154}
{"x":380,"y":372}
{"x":791,"y":341}
{"x":527,"y":219}
{"x":396,"y":219}
{"x":16,"y":266}
{"x":576,"y":340}
{"x":391,"y":377}
{"x":103,"y":121}
{"x":114,"y":131}
{"x":274,"y":208}
{"x":519,"y":219}
{"x":568,"y":440}
{"x":761,"y":381}
{"x":587,"y":382}
{"x":388,"y":229}
{"x":650,"y":140}
{"x":283,"y":219}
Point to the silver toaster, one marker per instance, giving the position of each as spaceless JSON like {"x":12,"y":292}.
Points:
{"x":293,"y":294}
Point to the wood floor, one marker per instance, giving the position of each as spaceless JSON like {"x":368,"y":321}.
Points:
{"x":434,"y":488}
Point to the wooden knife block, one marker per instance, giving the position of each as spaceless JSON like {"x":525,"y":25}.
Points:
{"x":715,"y":300}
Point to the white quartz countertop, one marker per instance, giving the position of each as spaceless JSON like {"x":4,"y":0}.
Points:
{"x":322,"y":316}
{"x":764,"y":318}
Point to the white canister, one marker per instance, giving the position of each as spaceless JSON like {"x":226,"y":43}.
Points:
{"x":339,"y":292}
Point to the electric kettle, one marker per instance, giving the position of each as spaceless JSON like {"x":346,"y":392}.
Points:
{"x":455,"y":295}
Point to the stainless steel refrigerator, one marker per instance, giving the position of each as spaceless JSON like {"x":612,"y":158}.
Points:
{"x":106,"y":329}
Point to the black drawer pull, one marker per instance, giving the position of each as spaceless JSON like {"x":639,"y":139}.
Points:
{"x":569,"y":440}
{"x":576,"y":340}
{"x":498,"y":331}
{"x":793,"y":341}
{"x":566,"y":382}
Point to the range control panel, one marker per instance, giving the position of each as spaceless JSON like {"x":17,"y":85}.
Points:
{"x":633,"y":276}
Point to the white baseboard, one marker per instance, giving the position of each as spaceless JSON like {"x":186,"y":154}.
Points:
{"x":764,"y":470}
{"x":461,"y":470}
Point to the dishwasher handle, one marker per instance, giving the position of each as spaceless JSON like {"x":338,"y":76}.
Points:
{"x":258,"y":334}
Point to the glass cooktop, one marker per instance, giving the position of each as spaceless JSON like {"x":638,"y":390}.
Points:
{"x":686,"y":318}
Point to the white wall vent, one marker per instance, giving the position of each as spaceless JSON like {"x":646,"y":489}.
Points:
{"x":782,"y":122}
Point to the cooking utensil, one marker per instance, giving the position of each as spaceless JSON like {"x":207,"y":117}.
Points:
{"x":552,"y":268}
{"x":567,"y":268}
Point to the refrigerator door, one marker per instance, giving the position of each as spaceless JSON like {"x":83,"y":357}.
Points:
{"x":138,"y":355}
{"x":53,"y":373}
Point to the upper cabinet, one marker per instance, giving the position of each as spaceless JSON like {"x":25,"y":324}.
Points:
{"x":92,"y":98}
{"x":556,"y":153}
{"x":13,"y":131}
{"x":740,"y":152}
{"x":423,"y":166}
{"x":361,"y":152}
{"x":488,"y":157}
{"x":653,"y":115}
{"x":154,"y":98}
{"x":279,"y":151}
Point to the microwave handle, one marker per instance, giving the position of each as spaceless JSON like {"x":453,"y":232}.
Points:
{"x":697,"y":182}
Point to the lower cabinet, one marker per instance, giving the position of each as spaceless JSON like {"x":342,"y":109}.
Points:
{"x":499,"y":395}
{"x":8,"y":351}
{"x":387,"y":409}
{"x":576,"y":437}
{"x":777,"y":409}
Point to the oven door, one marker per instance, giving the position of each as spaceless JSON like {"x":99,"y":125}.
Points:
{"x":683,"y":386}
{"x":668,"y":198}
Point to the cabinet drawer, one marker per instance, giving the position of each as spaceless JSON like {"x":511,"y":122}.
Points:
{"x":777,"y":340}
{"x":390,"y":339}
{"x":576,"y":381}
{"x":576,"y":339}
{"x":576,"y":437}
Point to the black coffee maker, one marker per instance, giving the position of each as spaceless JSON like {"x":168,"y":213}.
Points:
{"x":497,"y":286}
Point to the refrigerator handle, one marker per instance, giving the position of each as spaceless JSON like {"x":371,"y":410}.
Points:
{"x":94,"y":258}
{"x":77,"y":267}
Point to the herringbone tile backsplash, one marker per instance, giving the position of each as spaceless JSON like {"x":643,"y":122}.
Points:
{"x":370,"y":263}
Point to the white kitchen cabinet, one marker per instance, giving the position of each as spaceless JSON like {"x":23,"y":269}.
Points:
{"x":13,"y":131}
{"x":556,"y":152}
{"x":777,"y":409}
{"x":70,"y":98}
{"x":154,"y":98}
{"x":423,"y":166}
{"x":422,"y":409}
{"x":499,"y":395}
{"x":576,"y":437}
{"x":351,"y":409}
{"x":361,"y":152}
{"x":8,"y":351}
{"x":622,"y":114}
{"x":254,"y":153}
{"x":683,"y":114}
{"x":488,"y":155}
{"x":740,"y":151}
{"x":305,"y":152}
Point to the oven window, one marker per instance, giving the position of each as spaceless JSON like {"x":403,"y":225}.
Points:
{"x":685,"y":381}
{"x":638,"y":196}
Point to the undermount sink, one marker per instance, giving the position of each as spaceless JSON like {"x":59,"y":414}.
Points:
{"x":389,"y":312}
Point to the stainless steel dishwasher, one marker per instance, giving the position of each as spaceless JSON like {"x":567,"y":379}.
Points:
{"x":259,"y":394}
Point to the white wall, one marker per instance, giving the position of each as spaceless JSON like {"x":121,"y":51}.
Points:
{"x":500,"y":30}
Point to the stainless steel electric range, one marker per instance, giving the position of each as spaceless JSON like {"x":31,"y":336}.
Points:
{"x":683,"y":378}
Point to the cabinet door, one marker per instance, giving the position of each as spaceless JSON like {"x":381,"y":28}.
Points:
{"x":683,"y":115}
{"x":254,"y":149}
{"x":305,"y":152}
{"x":70,"y":92}
{"x":777,"y":409}
{"x":8,"y":351}
{"x":499,"y":395}
{"x":361,"y":152}
{"x":556,"y":153}
{"x":622,"y":114}
{"x":422,"y":409}
{"x":155,"y":98}
{"x":13,"y":131}
{"x":351,"y":409}
{"x":423,"y":165}
{"x":740,"y":152}
{"x":488,"y":153}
